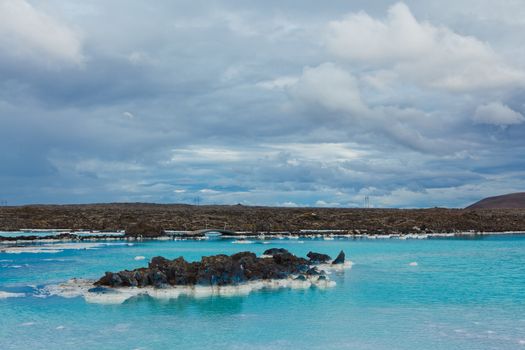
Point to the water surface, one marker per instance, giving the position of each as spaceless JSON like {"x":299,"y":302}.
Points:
{"x":461,"y":294}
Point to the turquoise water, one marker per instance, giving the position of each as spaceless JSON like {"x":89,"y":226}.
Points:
{"x":463,"y":294}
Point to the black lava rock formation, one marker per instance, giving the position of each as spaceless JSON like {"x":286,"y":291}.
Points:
{"x":217,"y":270}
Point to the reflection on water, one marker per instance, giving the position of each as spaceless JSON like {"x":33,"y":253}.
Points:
{"x":213,"y":305}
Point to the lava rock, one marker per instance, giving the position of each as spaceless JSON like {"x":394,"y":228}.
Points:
{"x":275,"y":251}
{"x":128,"y":278}
{"x":340,"y":259}
{"x":144,"y":229}
{"x":158,"y":262}
{"x":313,"y":271}
{"x":318,"y":258}
{"x":141,"y":276}
{"x":157,"y":279}
{"x":216,"y":270}
{"x":244,"y":256}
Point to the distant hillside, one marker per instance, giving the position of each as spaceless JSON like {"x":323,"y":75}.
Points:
{"x":180,"y":217}
{"x":507,"y":201}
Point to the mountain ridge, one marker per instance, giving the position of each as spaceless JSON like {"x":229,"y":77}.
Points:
{"x":506,"y":201}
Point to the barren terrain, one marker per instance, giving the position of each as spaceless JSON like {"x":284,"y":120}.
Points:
{"x":258,"y":219}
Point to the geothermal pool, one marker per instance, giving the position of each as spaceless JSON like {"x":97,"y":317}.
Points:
{"x":449,"y":293}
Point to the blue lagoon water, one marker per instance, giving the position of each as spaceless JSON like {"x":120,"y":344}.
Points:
{"x":462,"y":294}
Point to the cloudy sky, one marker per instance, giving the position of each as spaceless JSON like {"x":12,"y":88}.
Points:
{"x":293,"y":103}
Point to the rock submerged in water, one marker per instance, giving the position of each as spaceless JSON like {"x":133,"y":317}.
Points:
{"x":216,"y":270}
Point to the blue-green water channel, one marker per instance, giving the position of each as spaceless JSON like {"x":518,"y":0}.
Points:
{"x":461,"y":294}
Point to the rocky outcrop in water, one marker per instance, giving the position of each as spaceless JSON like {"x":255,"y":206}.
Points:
{"x":216,"y":270}
{"x":317,"y":258}
{"x":340,"y":259}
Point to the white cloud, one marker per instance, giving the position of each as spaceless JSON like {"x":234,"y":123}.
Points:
{"x":496,"y":113}
{"x":337,"y":90}
{"x":296,"y":153}
{"x":322,"y":203}
{"x":27,"y":34}
{"x":330,"y":86}
{"x":362,"y":38}
{"x":278,"y":83}
{"x":128,"y":115}
{"x":139,"y":57}
{"x":209,"y":191}
{"x":321,"y":152}
{"x":97,"y":167}
{"x":207,"y":154}
{"x":420,"y":52}
{"x":237,"y":23}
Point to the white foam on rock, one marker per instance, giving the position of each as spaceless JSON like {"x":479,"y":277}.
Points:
{"x":5,"y":295}
{"x":139,"y":257}
{"x":109,"y":298}
{"x":413,"y":263}
{"x":335,"y":267}
{"x":71,"y":289}
{"x":81,"y":288}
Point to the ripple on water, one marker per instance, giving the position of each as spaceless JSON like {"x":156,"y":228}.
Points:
{"x":5,"y":295}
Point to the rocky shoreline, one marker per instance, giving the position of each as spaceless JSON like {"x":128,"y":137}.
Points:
{"x":244,"y":237}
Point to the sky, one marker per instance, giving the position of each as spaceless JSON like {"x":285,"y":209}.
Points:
{"x":281,"y":103}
